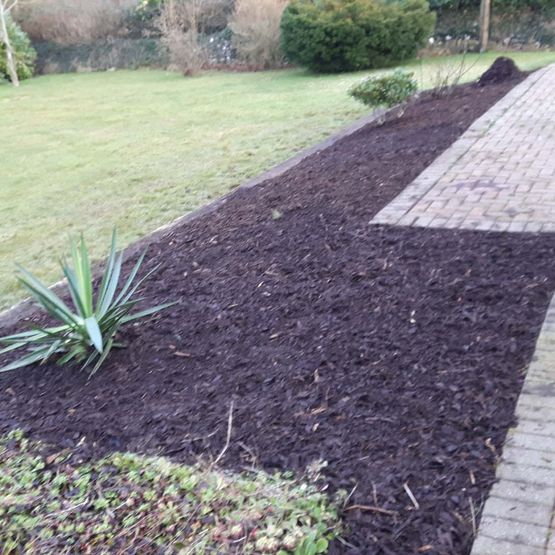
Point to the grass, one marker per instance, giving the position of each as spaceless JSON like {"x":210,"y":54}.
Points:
{"x":127,"y":503}
{"x":87,"y":152}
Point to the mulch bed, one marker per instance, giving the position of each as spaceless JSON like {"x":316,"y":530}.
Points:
{"x":394,"y":354}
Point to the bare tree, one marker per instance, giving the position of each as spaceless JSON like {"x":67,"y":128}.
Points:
{"x":6,"y":6}
{"x":179,"y":24}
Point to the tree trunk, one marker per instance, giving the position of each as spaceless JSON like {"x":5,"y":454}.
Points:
{"x":10,"y":56}
{"x":485,"y":18}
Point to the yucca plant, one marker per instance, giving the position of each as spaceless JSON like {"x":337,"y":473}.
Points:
{"x":87,"y":333}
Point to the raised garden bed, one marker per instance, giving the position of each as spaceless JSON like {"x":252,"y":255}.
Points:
{"x":396,"y":355}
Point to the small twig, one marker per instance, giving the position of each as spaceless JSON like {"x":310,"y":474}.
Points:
{"x":371,"y":508}
{"x":228,"y":439}
{"x":349,"y":496}
{"x":411,"y":496}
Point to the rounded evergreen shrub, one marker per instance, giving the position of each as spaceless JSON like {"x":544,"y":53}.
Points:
{"x":25,"y":54}
{"x":347,"y":35}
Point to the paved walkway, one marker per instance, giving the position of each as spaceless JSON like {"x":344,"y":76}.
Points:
{"x":500,"y":175}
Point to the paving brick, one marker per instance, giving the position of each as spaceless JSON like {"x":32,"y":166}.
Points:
{"x":529,"y":457}
{"x":517,"y":472}
{"x":520,"y":491}
{"x":491,"y":546}
{"x":526,"y":412}
{"x":519,"y":510}
{"x":511,"y":531}
{"x":537,"y":427}
{"x":525,"y":440}
{"x":542,"y":397}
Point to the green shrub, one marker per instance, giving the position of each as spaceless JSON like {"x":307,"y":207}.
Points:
{"x":25,"y":55}
{"x":346,"y":35}
{"x":86,"y":335}
{"x":388,"y":90}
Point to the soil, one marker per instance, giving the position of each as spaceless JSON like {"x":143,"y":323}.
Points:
{"x":396,"y":355}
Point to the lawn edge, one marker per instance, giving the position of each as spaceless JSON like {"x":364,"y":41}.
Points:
{"x":23,"y":309}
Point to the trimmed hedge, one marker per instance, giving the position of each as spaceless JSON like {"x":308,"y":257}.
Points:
{"x":347,"y":35}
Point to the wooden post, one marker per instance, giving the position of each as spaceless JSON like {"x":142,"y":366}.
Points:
{"x":485,"y":19}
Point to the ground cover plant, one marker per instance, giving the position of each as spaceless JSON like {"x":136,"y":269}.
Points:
{"x":394,"y":356}
{"x":87,"y":332}
{"x":138,"y":149}
{"x":125,"y":503}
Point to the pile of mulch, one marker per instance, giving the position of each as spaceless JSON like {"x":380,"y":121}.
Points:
{"x":396,"y":355}
{"x":502,"y":70}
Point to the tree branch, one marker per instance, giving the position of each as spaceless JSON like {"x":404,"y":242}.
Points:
{"x":7,"y":6}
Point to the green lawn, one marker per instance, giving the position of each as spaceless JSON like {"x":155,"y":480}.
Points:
{"x":137,"y":149}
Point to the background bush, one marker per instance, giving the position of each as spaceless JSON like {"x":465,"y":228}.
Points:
{"x":346,"y":35}
{"x":73,"y":21}
{"x":256,"y":32}
{"x":515,"y":23}
{"x":24,"y":53}
{"x":101,"y":55}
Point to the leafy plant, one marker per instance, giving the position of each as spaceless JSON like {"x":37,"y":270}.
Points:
{"x":25,"y":54}
{"x":388,"y":90}
{"x":86,"y":334}
{"x":346,"y":35}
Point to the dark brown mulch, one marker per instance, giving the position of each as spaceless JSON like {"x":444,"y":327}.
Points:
{"x":501,"y":70}
{"x":394,"y":354}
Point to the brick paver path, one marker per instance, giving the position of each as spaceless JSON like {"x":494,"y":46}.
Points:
{"x":500,"y":175}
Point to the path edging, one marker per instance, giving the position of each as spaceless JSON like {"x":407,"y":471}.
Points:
{"x":517,"y":517}
{"x":426,"y":202}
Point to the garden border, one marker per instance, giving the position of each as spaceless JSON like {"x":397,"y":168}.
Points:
{"x":24,"y":308}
